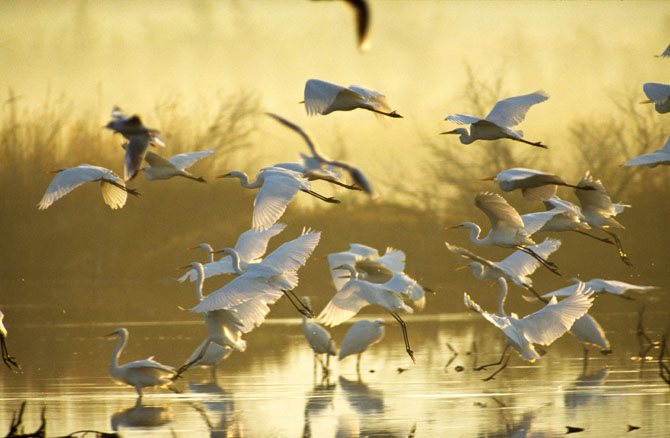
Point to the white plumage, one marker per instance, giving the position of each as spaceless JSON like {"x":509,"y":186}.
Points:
{"x":659,"y":95}
{"x":361,"y":336}
{"x":113,"y":188}
{"x":323,"y":97}
{"x":653,"y":159}
{"x":160,"y":168}
{"x":535,"y":185}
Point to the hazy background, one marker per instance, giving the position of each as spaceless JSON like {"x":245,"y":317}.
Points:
{"x":204,"y":72}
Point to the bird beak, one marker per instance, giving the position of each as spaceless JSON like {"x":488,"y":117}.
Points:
{"x":107,"y":335}
{"x":182,"y":267}
{"x":490,"y":178}
{"x":460,"y":268}
{"x":192,"y":247}
{"x":302,"y":101}
{"x":451,"y":227}
{"x":226,"y":175}
{"x":449,"y":132}
{"x":646,"y":101}
{"x":215,"y":252}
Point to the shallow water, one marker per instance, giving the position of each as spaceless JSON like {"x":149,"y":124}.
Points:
{"x":272,"y":389}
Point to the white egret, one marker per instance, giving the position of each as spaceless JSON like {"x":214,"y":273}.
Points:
{"x":587,"y":331}
{"x":141,"y":373}
{"x":113,"y":188}
{"x":361,"y":336}
{"x":597,"y":285}
{"x":660,"y":156}
{"x":508,"y":230}
{"x":313,"y":170}
{"x":131,"y":126}
{"x":517,"y":267}
{"x":318,"y":338}
{"x":535,"y":185}
{"x":7,"y":358}
{"x":215,"y":353}
{"x":264,"y":282}
{"x":498,"y":124}
{"x":160,"y":168}
{"x":250,"y":247}
{"x":323,"y":97}
{"x":542,"y":327}
{"x":277,"y":188}
{"x":357,"y":293}
{"x":563,"y":216}
{"x":599,"y":211}
{"x":356,"y":175}
{"x":367,"y":261}
{"x":659,"y":95}
{"x":665,"y":54}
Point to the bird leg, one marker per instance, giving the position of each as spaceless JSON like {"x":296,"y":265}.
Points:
{"x":346,"y":186}
{"x":194,"y":178}
{"x":124,"y":188}
{"x":321,"y":197}
{"x":299,"y":306}
{"x":547,"y":264}
{"x":498,"y":370}
{"x":539,"y":297}
{"x":188,"y":365}
{"x":602,"y":239}
{"x":7,"y":358}
{"x":537,"y":143}
{"x":622,"y":254}
{"x":483,"y":367}
{"x":404,"y":335}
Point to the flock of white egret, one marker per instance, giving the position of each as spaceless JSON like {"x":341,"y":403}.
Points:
{"x":360,"y":275}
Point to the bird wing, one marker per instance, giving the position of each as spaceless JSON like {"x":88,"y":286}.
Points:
{"x":136,"y":149}
{"x":569,"y":207}
{"x":156,"y":160}
{"x":615,"y":287}
{"x":362,"y":13}
{"x":184,"y":161}
{"x":319,"y":95}
{"x":666,"y":53}
{"x":112,"y":194}
{"x":240,"y":290}
{"x":554,"y":319}
{"x":374,"y":97}
{"x":252,"y":244}
{"x":276,"y":193}
{"x":394,"y":259}
{"x":658,"y":93}
{"x":522,"y":264}
{"x":149,"y":363}
{"x":596,"y":199}
{"x":313,"y":146}
{"x":407,"y":287}
{"x":533,"y":222}
{"x":373,"y":271}
{"x":652,"y":160}
{"x":499,"y":212}
{"x":511,"y":111}
{"x":69,"y":179}
{"x":541,"y":193}
{"x":346,"y":303}
{"x":290,"y":256}
{"x":463,"y":119}
{"x":502,"y":322}
{"x":467,"y":254}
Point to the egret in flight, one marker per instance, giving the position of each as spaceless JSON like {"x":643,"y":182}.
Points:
{"x":599,"y":211}
{"x":314,"y":170}
{"x":535,"y":185}
{"x":323,"y":97}
{"x":250,"y":247}
{"x":504,"y":116}
{"x":562,"y":216}
{"x":659,"y":95}
{"x":160,"y":168}
{"x":357,"y":293}
{"x":517,"y":267}
{"x":356,"y":175}
{"x":660,"y":156}
{"x":597,"y":285}
{"x":542,"y":327}
{"x":113,"y":188}
{"x":277,"y":188}
{"x":7,"y":358}
{"x":665,"y":54}
{"x":318,"y":338}
{"x":141,"y":373}
{"x":368,"y":263}
{"x":361,"y":336}
{"x":508,"y":229}
{"x":587,"y":331}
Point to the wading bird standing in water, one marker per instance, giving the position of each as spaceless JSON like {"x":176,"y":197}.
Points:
{"x":498,"y":124}
{"x":113,"y":188}
{"x":599,"y":211}
{"x":508,"y":229}
{"x":357,"y":293}
{"x":278,"y":186}
{"x":361,"y":336}
{"x":7,"y":358}
{"x":542,"y":327}
{"x":318,"y":338}
{"x":322,"y":97}
{"x":141,"y":373}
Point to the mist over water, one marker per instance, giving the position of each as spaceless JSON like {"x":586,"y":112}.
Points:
{"x":203,"y":73}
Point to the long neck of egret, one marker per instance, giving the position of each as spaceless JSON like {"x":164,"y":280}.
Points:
{"x":503,"y":296}
{"x":200,"y":280}
{"x":114,"y":365}
{"x":475,"y":230}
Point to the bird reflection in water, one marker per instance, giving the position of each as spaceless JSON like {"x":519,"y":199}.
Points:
{"x":373,"y":420}
{"x":319,"y":399}
{"x":587,"y":388}
{"x":217,"y":402}
{"x":141,"y":416}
